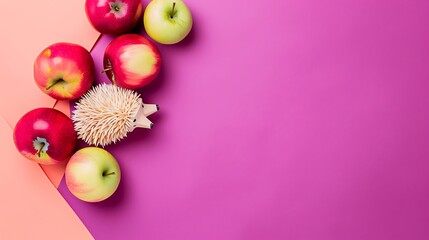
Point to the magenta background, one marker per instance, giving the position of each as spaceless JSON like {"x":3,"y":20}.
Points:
{"x":284,"y":119}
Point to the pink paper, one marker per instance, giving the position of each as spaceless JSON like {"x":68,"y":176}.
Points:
{"x":281,"y":119}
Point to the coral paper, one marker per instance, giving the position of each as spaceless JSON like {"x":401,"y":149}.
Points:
{"x":29,"y":28}
{"x":31,"y":208}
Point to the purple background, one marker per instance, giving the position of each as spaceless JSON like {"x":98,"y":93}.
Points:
{"x":284,"y":119}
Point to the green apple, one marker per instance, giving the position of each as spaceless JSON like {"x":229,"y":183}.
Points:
{"x":167,"y":21}
{"x":92,"y":174}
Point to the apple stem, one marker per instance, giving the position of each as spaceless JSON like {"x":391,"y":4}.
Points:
{"x":108,"y":174}
{"x":115,"y":7}
{"x":42,"y":145}
{"x":172,"y":10}
{"x":106,"y":70}
{"x":57,"y":81}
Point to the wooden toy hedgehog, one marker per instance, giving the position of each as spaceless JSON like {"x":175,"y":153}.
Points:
{"x":107,"y":113}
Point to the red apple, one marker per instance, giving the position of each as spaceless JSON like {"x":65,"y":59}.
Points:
{"x":45,"y":135}
{"x":131,"y":61}
{"x":114,"y":16}
{"x":64,"y":71}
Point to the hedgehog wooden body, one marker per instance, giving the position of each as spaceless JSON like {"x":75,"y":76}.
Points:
{"x":107,"y":113}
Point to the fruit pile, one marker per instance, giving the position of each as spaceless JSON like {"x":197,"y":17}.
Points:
{"x":105,"y":113}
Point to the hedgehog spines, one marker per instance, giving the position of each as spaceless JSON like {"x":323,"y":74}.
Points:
{"x":105,"y":114}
